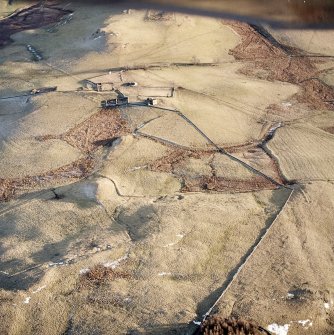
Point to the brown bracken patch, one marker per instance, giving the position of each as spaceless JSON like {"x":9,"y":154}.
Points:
{"x":329,"y":129}
{"x":80,"y":168}
{"x":99,"y":275}
{"x":216,"y":325}
{"x":314,"y":12}
{"x":96,"y":130}
{"x":167,"y":162}
{"x":99,"y":129}
{"x":214,"y":183}
{"x":33,"y":17}
{"x":7,"y":189}
{"x":281,"y":63}
{"x":220,"y":184}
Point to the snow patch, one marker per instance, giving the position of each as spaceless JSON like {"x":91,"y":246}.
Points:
{"x":170,"y":244}
{"x":164,"y":274}
{"x":179,"y":236}
{"x":290,"y":296}
{"x":198,"y":323}
{"x":116,"y":263}
{"x":135,"y":168}
{"x":39,"y":289}
{"x":83,"y":271}
{"x":26,"y":300}
{"x":305,"y":323}
{"x":327,"y":305}
{"x":279,"y":330}
{"x":56,"y":264}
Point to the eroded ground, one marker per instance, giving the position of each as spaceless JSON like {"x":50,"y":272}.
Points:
{"x":138,"y":219}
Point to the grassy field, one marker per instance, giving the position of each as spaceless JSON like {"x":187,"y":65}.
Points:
{"x":137,"y":220}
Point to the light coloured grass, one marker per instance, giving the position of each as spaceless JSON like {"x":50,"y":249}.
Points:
{"x":173,"y":128}
{"x":304,"y":152}
{"x":128,"y":168}
{"x":21,"y":158}
{"x":299,"y":246}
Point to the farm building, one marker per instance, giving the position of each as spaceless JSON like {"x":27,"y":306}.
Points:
{"x":116,"y":102}
{"x":97,"y":86}
{"x":151,"y":102}
{"x":105,"y":82}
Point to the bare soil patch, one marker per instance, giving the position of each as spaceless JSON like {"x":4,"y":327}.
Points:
{"x":282,"y":63}
{"x":33,"y":17}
